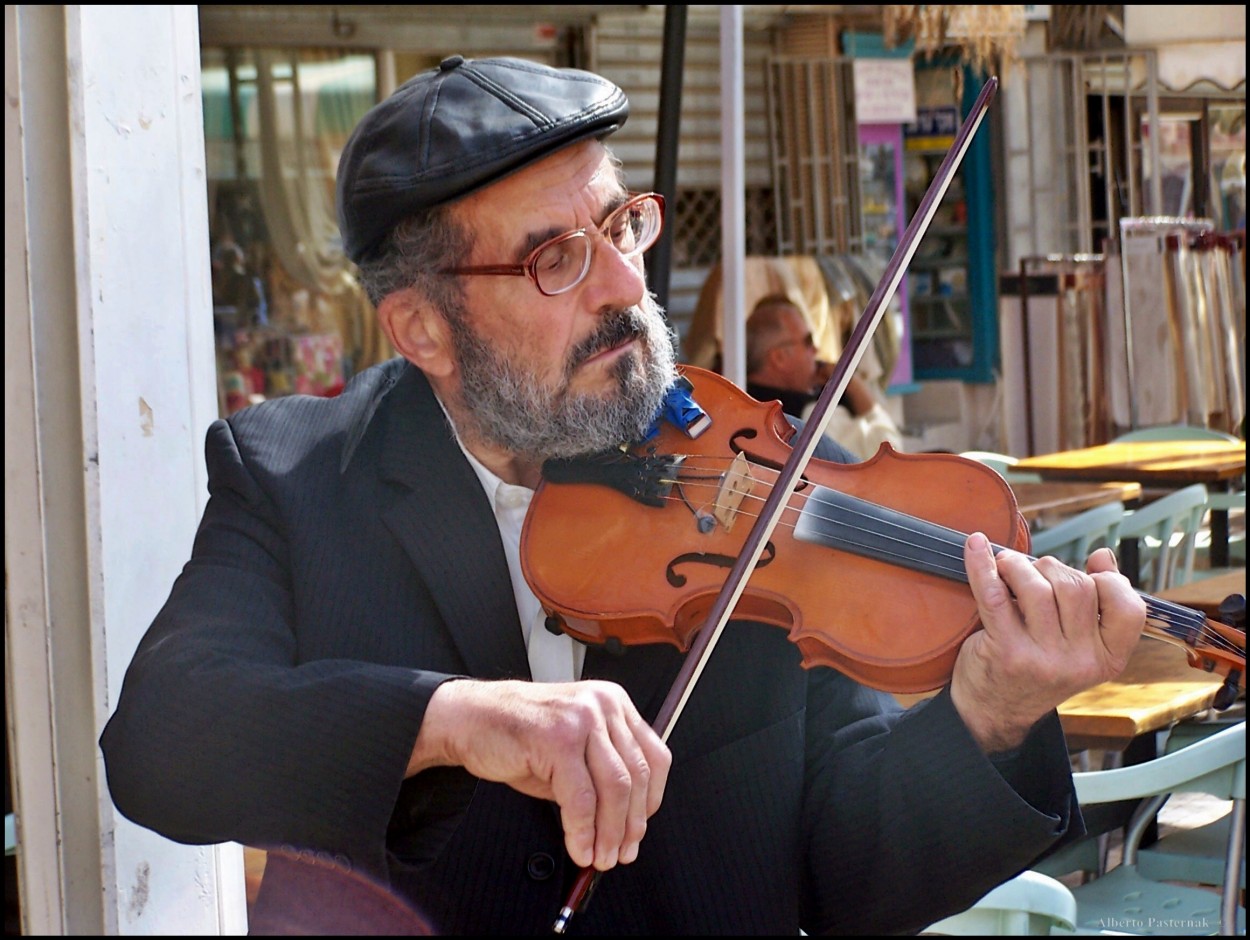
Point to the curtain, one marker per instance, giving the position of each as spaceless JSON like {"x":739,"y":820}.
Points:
{"x":307,"y":107}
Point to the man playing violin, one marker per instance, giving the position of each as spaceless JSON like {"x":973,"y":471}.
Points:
{"x":352,"y":666}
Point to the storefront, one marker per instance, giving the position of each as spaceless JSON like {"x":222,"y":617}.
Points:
{"x":288,"y":313}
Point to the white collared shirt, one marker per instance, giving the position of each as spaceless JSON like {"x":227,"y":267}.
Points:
{"x":552,"y":658}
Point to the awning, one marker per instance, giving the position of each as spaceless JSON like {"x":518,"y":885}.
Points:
{"x":1220,"y":63}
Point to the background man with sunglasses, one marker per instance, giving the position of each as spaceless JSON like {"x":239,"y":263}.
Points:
{"x":782,"y":365}
{"x":352,"y":672}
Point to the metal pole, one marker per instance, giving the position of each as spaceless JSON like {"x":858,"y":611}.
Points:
{"x":1127,"y":311}
{"x":733,"y":211}
{"x":660,"y":258}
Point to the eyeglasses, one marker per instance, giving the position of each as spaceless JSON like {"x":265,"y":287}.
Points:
{"x":561,"y":263}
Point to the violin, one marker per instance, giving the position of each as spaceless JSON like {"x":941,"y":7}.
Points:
{"x":864,"y":568}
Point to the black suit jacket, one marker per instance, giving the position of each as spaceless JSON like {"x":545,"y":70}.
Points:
{"x":348,"y":563}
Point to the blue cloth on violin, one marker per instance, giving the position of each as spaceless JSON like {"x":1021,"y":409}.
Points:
{"x":681,"y":410}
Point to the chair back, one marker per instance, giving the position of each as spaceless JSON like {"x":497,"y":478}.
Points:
{"x":1228,"y":502}
{"x":1072,"y":539}
{"x":1175,"y":432}
{"x":1004,"y":464}
{"x":1215,"y":764}
{"x":1167,"y":530}
{"x":1195,"y":854}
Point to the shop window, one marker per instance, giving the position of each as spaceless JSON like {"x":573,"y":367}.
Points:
{"x":289,"y":314}
{"x":1202,"y":161}
{"x":1228,"y":165}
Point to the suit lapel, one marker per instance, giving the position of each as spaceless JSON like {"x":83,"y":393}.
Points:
{"x":445,"y":524}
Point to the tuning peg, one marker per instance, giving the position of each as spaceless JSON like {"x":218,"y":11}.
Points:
{"x":1233,"y":610}
{"x":1228,"y":692}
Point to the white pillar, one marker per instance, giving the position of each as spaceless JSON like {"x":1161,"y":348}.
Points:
{"x":109,"y":387}
{"x":733,"y":196}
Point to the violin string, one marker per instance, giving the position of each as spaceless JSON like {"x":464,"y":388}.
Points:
{"x":950,"y":551}
{"x":1190,"y":624}
{"x":945,"y":563}
{"x":951,"y":570}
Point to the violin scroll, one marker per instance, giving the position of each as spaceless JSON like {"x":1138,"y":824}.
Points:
{"x":1210,"y":645}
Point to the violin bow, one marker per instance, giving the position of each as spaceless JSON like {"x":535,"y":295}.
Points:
{"x":802,"y":449}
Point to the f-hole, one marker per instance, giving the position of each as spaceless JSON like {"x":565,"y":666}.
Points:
{"x":713,"y":559}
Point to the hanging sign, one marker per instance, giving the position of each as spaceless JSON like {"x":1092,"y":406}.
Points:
{"x":885,"y":91}
{"x":933,"y":129}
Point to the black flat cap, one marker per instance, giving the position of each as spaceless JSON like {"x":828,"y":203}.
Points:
{"x":454,"y":129}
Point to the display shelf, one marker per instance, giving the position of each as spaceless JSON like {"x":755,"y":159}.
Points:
{"x":952,"y":279}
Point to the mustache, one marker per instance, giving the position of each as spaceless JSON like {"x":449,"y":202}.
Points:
{"x":616,"y":328}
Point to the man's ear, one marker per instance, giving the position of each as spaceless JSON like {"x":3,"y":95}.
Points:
{"x":417,"y":331}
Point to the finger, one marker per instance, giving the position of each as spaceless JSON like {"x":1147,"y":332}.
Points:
{"x":635,"y":761}
{"x":1121,"y":608}
{"x":1074,"y":599}
{"x":574,"y":792}
{"x":659,"y":760}
{"x":993,"y":593}
{"x":1121,"y":615}
{"x":1102,"y":560}
{"x":613,"y":793}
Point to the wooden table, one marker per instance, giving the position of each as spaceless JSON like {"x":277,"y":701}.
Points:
{"x":1048,"y":500}
{"x":1205,"y":594}
{"x":1170,"y":464}
{"x":1167,"y":464}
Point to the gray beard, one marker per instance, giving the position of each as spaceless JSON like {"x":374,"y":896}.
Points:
{"x":506,"y":407}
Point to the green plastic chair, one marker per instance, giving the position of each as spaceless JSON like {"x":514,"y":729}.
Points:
{"x":1167,"y":533}
{"x":1175,"y":432}
{"x":1072,"y":539}
{"x":1228,"y":502}
{"x":1004,"y":464}
{"x":1030,"y":904}
{"x":1124,"y":899}
{"x":1197,"y":855}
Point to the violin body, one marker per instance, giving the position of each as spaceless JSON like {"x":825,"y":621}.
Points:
{"x":613,"y":569}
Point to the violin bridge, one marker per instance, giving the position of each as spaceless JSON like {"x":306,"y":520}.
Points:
{"x":735,"y":484}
